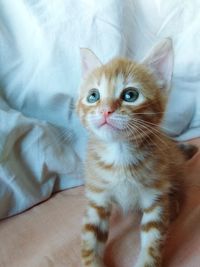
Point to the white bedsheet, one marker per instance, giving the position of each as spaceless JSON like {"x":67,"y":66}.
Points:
{"x":40,"y":75}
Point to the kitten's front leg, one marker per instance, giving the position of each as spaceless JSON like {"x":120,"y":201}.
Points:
{"x":154,"y":225}
{"x":95,"y":233}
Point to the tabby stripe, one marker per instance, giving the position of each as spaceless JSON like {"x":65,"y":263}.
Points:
{"x":87,"y":253}
{"x":102,"y":212}
{"x":152,"y":225}
{"x":88,"y":262}
{"x":100,"y":235}
{"x":151,"y":208}
{"x":161,"y":202}
{"x":95,"y":189}
{"x":103,"y":165}
{"x":153,"y":251}
{"x":154,"y":254}
{"x":150,"y":264}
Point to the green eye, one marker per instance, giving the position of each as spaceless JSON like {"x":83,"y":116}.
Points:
{"x":93,"y":96}
{"x":130,"y":94}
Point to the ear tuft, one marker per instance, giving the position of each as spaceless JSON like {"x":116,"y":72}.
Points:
{"x":160,"y":61}
{"x":89,"y":61}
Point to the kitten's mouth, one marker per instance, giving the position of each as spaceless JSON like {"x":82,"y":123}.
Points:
{"x":108,"y":124}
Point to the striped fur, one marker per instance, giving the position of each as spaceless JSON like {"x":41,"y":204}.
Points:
{"x":132,"y":162}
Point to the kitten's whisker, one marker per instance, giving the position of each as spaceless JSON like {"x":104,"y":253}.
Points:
{"x":135,"y":137}
{"x":140,"y":132}
{"x":156,"y":125}
{"x":149,"y":113}
{"x":151,"y":130}
{"x":150,"y":141}
{"x":147,"y":127}
{"x":153,"y":124}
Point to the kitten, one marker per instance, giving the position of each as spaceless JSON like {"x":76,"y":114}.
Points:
{"x":130,"y":161}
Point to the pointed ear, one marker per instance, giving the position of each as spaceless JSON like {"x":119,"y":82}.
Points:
{"x":89,"y":61}
{"x":160,"y":61}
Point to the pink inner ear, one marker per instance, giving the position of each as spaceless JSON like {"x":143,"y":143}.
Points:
{"x":160,"y":61}
{"x":85,"y":67}
{"x":162,"y":69}
{"x":89,"y":61}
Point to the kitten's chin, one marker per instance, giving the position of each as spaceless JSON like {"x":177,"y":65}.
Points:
{"x":109,"y":127}
{"x":108,"y":132}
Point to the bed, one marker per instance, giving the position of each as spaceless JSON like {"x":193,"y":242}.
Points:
{"x":42,"y":144}
{"x":48,"y":234}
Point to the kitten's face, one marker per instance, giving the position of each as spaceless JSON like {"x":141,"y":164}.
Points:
{"x":118,"y":99}
{"x":121,"y":100}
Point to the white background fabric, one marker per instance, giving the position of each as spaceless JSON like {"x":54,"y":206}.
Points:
{"x":40,"y":74}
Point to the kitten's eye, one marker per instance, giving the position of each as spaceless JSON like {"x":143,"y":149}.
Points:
{"x":130,"y":94}
{"x":93,"y":96}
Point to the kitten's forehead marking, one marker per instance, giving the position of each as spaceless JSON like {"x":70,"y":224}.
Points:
{"x":113,"y":86}
{"x":119,"y":83}
{"x":104,"y":87}
{"x":110,"y":86}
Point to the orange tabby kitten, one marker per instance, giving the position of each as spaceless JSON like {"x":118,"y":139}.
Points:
{"x":130,"y":161}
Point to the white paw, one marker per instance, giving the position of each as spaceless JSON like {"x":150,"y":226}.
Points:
{"x":144,"y":262}
{"x":96,"y":263}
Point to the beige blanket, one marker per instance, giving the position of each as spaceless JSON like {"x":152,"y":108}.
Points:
{"x":48,"y":235}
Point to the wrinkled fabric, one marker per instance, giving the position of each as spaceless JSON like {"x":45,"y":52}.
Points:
{"x":40,"y":75}
{"x":33,"y":163}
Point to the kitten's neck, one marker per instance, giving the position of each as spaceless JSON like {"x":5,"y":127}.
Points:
{"x":115,"y":153}
{"x":143,"y":142}
{"x":121,"y":152}
{"x":125,"y":152}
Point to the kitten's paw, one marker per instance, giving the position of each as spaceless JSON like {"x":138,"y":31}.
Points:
{"x":145,"y":262}
{"x":98,"y":264}
{"x":95,"y":263}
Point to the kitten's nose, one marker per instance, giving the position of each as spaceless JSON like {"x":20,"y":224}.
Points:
{"x":107,"y":111}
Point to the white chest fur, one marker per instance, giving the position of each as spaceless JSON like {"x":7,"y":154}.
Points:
{"x":123,"y":188}
{"x":125,"y":193}
{"x":119,"y":154}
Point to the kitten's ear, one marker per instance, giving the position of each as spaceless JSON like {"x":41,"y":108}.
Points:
{"x":89,"y":61}
{"x":160,"y":61}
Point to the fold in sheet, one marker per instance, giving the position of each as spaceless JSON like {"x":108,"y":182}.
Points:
{"x":34,"y":163}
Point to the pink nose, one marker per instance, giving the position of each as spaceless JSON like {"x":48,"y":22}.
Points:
{"x":106,"y":111}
